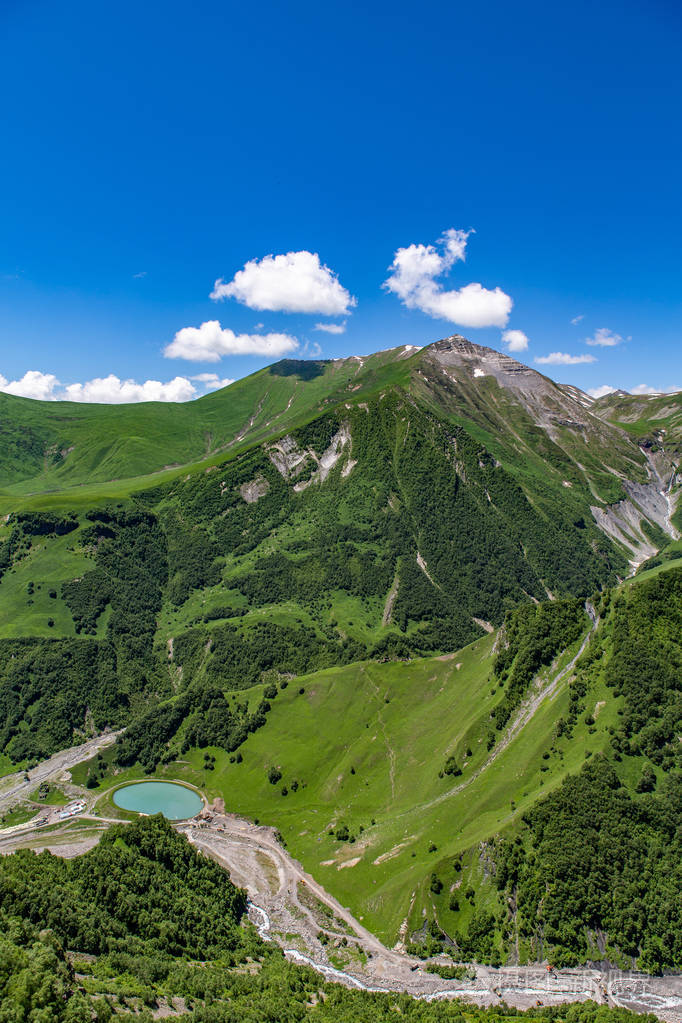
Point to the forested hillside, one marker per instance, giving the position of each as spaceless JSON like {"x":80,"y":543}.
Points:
{"x":378,"y":529}
{"x":144,"y":925}
{"x":395,"y":585}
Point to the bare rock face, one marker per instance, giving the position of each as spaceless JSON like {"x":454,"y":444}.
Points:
{"x":254,"y":489}
{"x":549,"y":404}
{"x":291,"y":460}
{"x":501,"y":394}
{"x":458,"y":352}
{"x":287,"y":457}
{"x":333,"y":453}
{"x":328,"y":459}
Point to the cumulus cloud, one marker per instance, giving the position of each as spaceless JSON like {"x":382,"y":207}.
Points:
{"x":515,"y":340}
{"x":413,"y":278}
{"x":576,"y":319}
{"x":105,"y":390}
{"x":640,"y":389}
{"x":211,"y":381}
{"x":312,"y":350}
{"x":33,"y":384}
{"x":294,"y":282}
{"x":645,"y":389}
{"x":604,"y":338}
{"x":332,"y":328}
{"x":601,"y":392}
{"x":562,"y":359}
{"x":210,"y":342}
{"x":111,"y":390}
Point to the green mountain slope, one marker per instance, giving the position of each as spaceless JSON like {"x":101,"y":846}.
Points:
{"x":518,"y":797}
{"x":360,"y":530}
{"x":47,"y":447}
{"x":447,"y":486}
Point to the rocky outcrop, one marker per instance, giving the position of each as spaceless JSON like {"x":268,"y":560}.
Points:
{"x":290,"y":460}
{"x":287,"y":457}
{"x":254,"y":490}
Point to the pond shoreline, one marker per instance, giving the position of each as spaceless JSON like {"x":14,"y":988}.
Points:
{"x":177,"y":801}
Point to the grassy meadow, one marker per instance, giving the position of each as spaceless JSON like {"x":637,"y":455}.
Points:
{"x":362,"y":746}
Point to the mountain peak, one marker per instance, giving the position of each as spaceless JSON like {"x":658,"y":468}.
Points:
{"x":458,"y":353}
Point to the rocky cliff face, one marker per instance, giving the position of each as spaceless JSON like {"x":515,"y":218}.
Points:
{"x":550,"y":405}
{"x":631,"y":483}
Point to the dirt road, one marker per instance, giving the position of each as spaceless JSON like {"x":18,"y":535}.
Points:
{"x":16,"y":786}
{"x":287,"y":905}
{"x":541,"y":690}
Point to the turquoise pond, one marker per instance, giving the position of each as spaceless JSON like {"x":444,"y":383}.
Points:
{"x":174,"y":801}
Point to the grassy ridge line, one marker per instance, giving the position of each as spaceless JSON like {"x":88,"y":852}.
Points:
{"x":62,"y":495}
{"x":121,"y":444}
{"x":117,"y":444}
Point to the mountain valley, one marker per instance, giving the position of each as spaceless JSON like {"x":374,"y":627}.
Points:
{"x":417,"y":611}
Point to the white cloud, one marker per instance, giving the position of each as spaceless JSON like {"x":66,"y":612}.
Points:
{"x":640,"y":389}
{"x":111,"y":390}
{"x":210,"y":342}
{"x":601,"y":392}
{"x":561,"y":359}
{"x":645,"y":389}
{"x":604,"y":338}
{"x":516,"y":340}
{"x":312,"y":350}
{"x":295,"y":282}
{"x":106,"y":390}
{"x":413,"y":279}
{"x":142,"y":273}
{"x":33,"y":384}
{"x":576,"y":319}
{"x":332,"y":328}
{"x":212,"y":381}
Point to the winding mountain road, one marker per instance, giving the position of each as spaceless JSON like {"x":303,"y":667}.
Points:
{"x":20,"y":784}
{"x":529,"y":707}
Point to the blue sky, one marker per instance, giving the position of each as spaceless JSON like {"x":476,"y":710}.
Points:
{"x":150,"y":150}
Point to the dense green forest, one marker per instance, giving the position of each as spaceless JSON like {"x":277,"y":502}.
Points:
{"x":384,"y":520}
{"x":602,"y":872}
{"x":147,"y":921}
{"x":596,"y":870}
{"x":533,"y":636}
{"x":53,"y":690}
{"x":424,"y":508}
